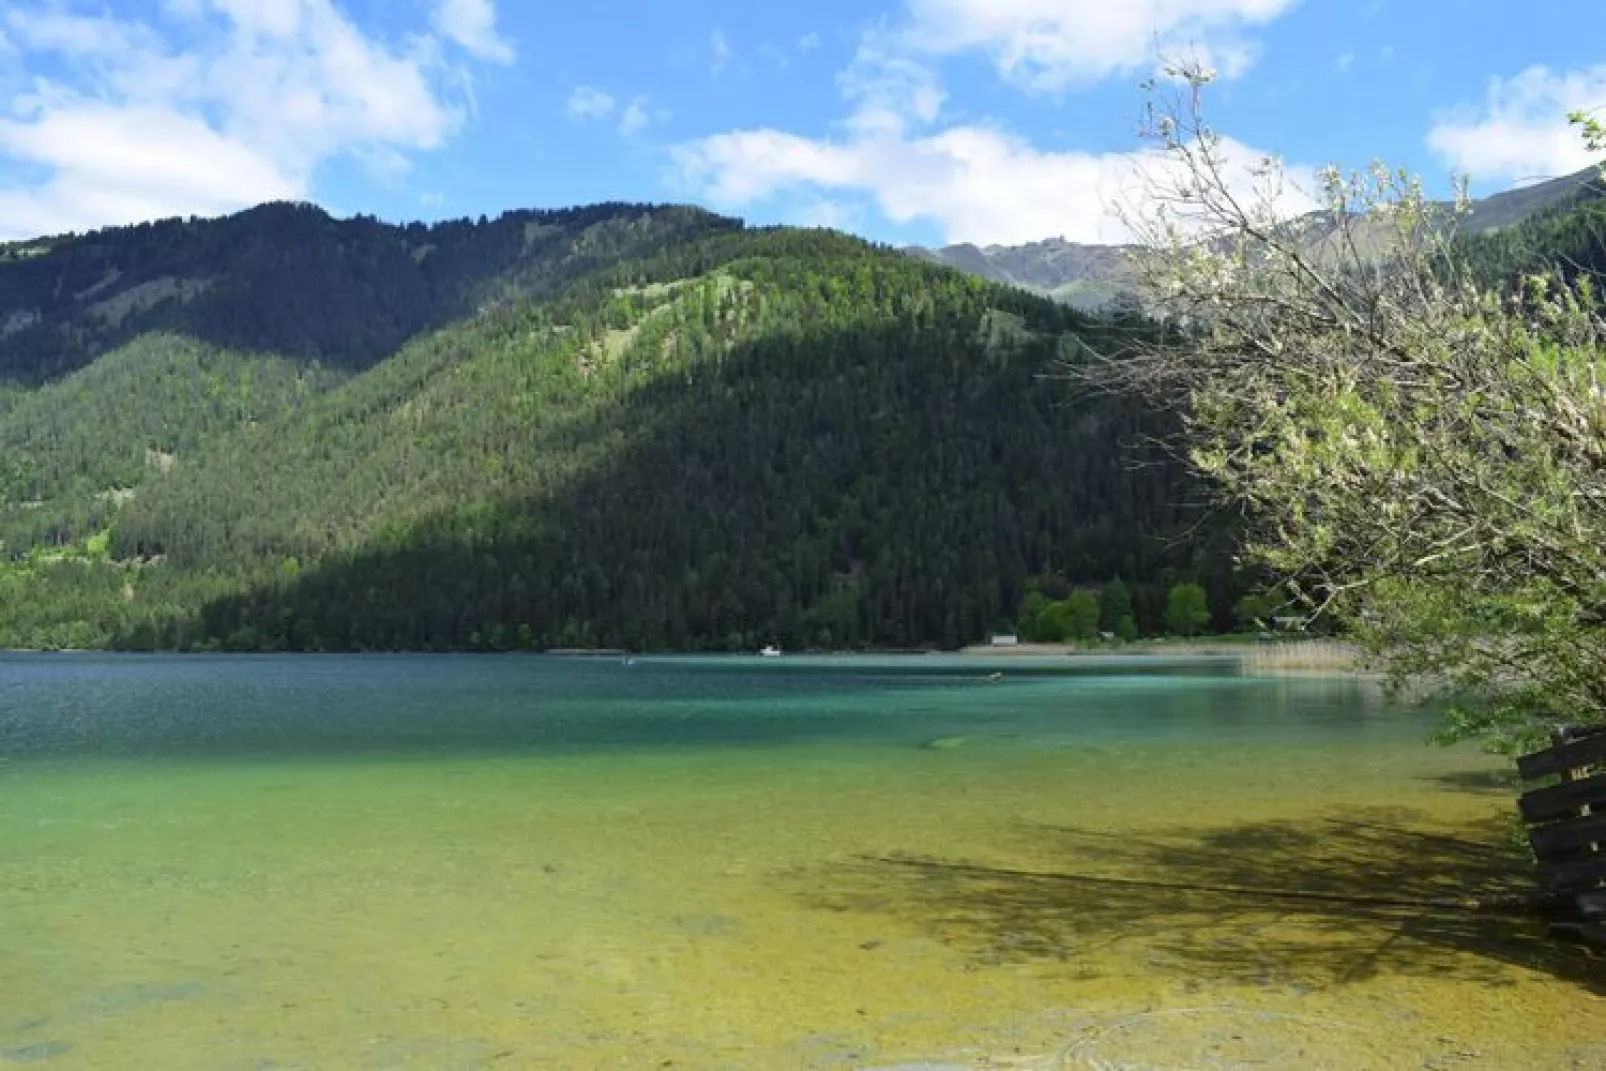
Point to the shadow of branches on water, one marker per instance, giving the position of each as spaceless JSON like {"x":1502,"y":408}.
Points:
{"x":1306,"y":905}
{"x":1501,"y":782}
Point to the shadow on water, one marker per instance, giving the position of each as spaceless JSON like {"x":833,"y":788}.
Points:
{"x":1277,"y":904}
{"x":1497,"y":782}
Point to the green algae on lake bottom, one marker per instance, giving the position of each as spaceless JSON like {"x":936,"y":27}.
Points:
{"x":458,"y":862}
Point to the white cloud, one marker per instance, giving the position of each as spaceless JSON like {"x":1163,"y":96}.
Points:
{"x":472,"y":24}
{"x":184,"y":9}
{"x":976,"y":183}
{"x":833,"y":214}
{"x":241,"y":103}
{"x":808,"y":42}
{"x":1521,"y":131}
{"x":588,"y":102}
{"x":316,"y":86}
{"x":116,"y":165}
{"x":634,"y":118}
{"x":58,"y":30}
{"x":268,"y":18}
{"x":1344,"y":62}
{"x":889,"y":90}
{"x":720,"y":52}
{"x":776,"y":56}
{"x":1229,"y":57}
{"x":1048,"y":45}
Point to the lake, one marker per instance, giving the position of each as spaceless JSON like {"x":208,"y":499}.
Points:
{"x":867,"y":862}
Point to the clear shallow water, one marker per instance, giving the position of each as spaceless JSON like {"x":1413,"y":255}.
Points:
{"x":851,"y":862}
{"x":98,"y":706}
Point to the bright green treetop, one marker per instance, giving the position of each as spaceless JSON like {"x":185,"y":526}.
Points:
{"x":1187,"y":611}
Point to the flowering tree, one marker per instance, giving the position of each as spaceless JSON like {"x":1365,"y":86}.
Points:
{"x":1594,"y":130}
{"x":1418,"y":456}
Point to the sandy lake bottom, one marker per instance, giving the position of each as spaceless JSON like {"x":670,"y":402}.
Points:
{"x":459,"y":863}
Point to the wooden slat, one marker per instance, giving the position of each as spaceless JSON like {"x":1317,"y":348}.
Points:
{"x":1551,"y":841}
{"x":1591,"y":932}
{"x":1592,"y":904}
{"x":1585,"y":748}
{"x":1585,"y":871}
{"x":1561,"y":801}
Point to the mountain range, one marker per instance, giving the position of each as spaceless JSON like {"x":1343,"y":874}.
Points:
{"x":625,"y":425}
{"x":636,"y":426}
{"x":1093,"y":277}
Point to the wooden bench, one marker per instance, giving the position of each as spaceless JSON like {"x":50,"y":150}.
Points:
{"x":1567,"y":827}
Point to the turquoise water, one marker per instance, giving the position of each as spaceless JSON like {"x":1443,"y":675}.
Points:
{"x":85,"y":706}
{"x":418,"y":861}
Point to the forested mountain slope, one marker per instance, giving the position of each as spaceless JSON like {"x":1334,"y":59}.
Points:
{"x":151,"y":341}
{"x":73,"y":450}
{"x":292,"y":302}
{"x":719,"y":439}
{"x":1568,"y":235}
{"x":289,"y":279}
{"x":621,"y":425}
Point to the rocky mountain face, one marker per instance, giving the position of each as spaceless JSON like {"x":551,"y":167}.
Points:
{"x":1087,"y":277}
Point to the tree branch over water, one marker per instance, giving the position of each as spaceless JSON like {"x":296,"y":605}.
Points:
{"x":1419,"y":454}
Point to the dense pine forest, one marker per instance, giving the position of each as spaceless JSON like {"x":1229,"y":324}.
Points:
{"x":622,"y":426}
{"x":1567,"y":235}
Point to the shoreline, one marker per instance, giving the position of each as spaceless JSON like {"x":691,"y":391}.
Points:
{"x":1076,"y":650}
{"x":1318,"y":656}
{"x":1321,"y":657}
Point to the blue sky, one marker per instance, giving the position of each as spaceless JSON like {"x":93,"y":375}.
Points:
{"x":903,"y":120}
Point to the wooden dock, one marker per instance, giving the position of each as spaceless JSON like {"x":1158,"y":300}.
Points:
{"x":1566,"y":819}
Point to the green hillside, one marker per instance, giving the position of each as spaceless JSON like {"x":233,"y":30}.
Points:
{"x":72,"y":450}
{"x":619,"y":426}
{"x":711,"y":439}
{"x":289,"y":293}
{"x":289,"y":279}
{"x":1567,"y":235}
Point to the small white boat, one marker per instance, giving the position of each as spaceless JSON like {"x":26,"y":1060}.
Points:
{"x":771,"y":651}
